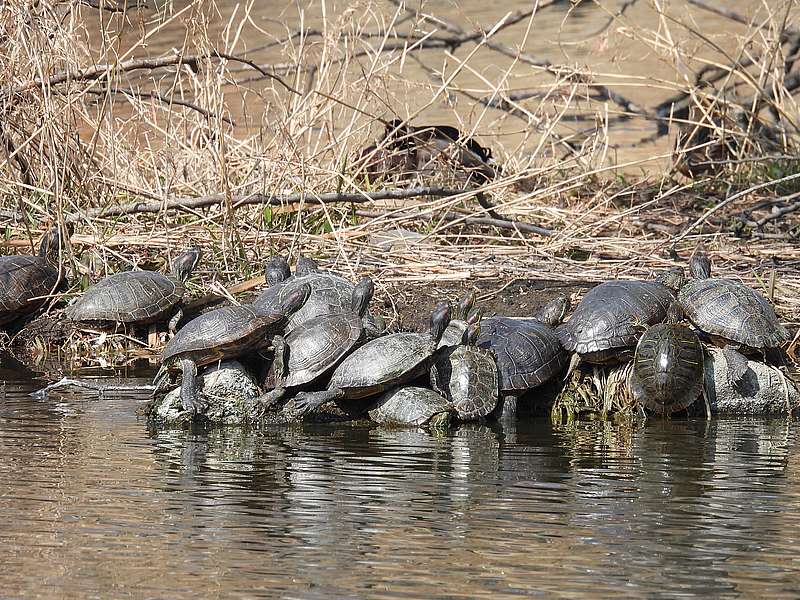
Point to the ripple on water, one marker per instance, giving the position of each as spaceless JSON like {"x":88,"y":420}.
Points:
{"x":93,"y":504}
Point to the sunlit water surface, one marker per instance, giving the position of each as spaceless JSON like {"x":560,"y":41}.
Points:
{"x":92,"y":504}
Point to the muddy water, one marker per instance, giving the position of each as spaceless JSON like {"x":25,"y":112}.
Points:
{"x":94,"y":505}
{"x":632,"y":56}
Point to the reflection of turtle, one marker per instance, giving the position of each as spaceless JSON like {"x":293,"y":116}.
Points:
{"x":411,"y":406}
{"x":330,"y":294}
{"x":226,"y":332}
{"x":609,"y":319}
{"x":27,"y":281}
{"x":380,"y":364}
{"x":527,"y":352}
{"x":467,"y":376}
{"x":318,"y":345}
{"x":668,"y":366}
{"x":137,"y":297}
{"x":732,"y":314}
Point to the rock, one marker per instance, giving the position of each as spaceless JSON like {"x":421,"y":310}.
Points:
{"x":230,"y":391}
{"x":764,"y":390}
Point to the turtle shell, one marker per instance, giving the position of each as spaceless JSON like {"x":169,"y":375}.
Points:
{"x":319,"y":345}
{"x":467,"y":376}
{"x":527,"y":352}
{"x":329,"y":294}
{"x":23,"y":278}
{"x":226,"y":332}
{"x":383,"y":362}
{"x":129,"y":297}
{"x":408,"y":406}
{"x":732,"y":311}
{"x":610,"y":318}
{"x":668,"y":368}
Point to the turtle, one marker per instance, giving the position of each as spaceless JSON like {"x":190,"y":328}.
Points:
{"x":27,"y":281}
{"x":310,"y":351}
{"x":467,"y":376}
{"x":380,"y":364}
{"x":226,"y":332}
{"x":137,"y":297}
{"x":329,"y":293}
{"x":412,"y":406}
{"x":668,"y":365}
{"x":463,"y":317}
{"x":527,"y":352}
{"x":733,"y":315}
{"x":608,"y":322}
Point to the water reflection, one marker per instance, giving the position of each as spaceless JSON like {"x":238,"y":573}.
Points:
{"x":95,"y":505}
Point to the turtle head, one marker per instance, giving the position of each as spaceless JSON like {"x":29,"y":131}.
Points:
{"x":277,"y":270}
{"x":183,"y":266}
{"x":673,"y":279}
{"x":699,"y":265}
{"x":674,"y":313}
{"x":554,"y":311}
{"x":474,"y":316}
{"x":53,"y":242}
{"x":465,"y":306}
{"x":362,"y":295}
{"x":305,"y":266}
{"x":440,"y":318}
{"x":292,"y":302}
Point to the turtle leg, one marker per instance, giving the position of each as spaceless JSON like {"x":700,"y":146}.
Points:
{"x":281,"y":352}
{"x":173,"y":322}
{"x":737,"y":363}
{"x":506,"y":409}
{"x":189,"y":397}
{"x":266,"y":401}
{"x":305,"y":402}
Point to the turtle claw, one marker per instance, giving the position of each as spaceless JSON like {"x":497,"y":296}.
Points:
{"x":305,"y":402}
{"x":737,"y":364}
{"x":195,"y":405}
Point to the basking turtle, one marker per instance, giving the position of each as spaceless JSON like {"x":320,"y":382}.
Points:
{"x":608,"y":321}
{"x":463,"y":317}
{"x":668,"y":366}
{"x":27,"y":281}
{"x":310,"y":351}
{"x":226,"y":332}
{"x":137,"y":297}
{"x":414,"y":406}
{"x":467,"y":376}
{"x":382,"y":363}
{"x":329,"y":293}
{"x":735,"y":316}
{"x":527,"y":352}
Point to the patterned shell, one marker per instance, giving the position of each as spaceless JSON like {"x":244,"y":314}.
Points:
{"x":129,"y":297}
{"x":385,"y":361}
{"x":21,"y":279}
{"x":222,"y":333}
{"x":319,"y":345}
{"x":611,"y":315}
{"x":408,"y":406}
{"x":329,"y":294}
{"x":668,"y":368}
{"x":527,"y":352}
{"x":732,"y":311}
{"x":467,"y":376}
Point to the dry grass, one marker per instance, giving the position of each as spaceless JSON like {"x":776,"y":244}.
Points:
{"x":84,"y":131}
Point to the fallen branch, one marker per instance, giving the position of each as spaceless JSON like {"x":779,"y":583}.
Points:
{"x":165,"y":99}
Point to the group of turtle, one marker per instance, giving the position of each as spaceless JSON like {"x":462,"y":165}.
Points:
{"x":324,"y":345}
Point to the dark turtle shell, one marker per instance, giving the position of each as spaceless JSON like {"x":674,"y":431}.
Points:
{"x":25,"y":283}
{"x":732,"y":311}
{"x":611,"y":316}
{"x":382,"y":363}
{"x":226,"y":332}
{"x":413,"y":406}
{"x":320,"y":344}
{"x":129,"y":297}
{"x":467,"y":376}
{"x":329,"y":294}
{"x":527,"y":352}
{"x":667,"y":368}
